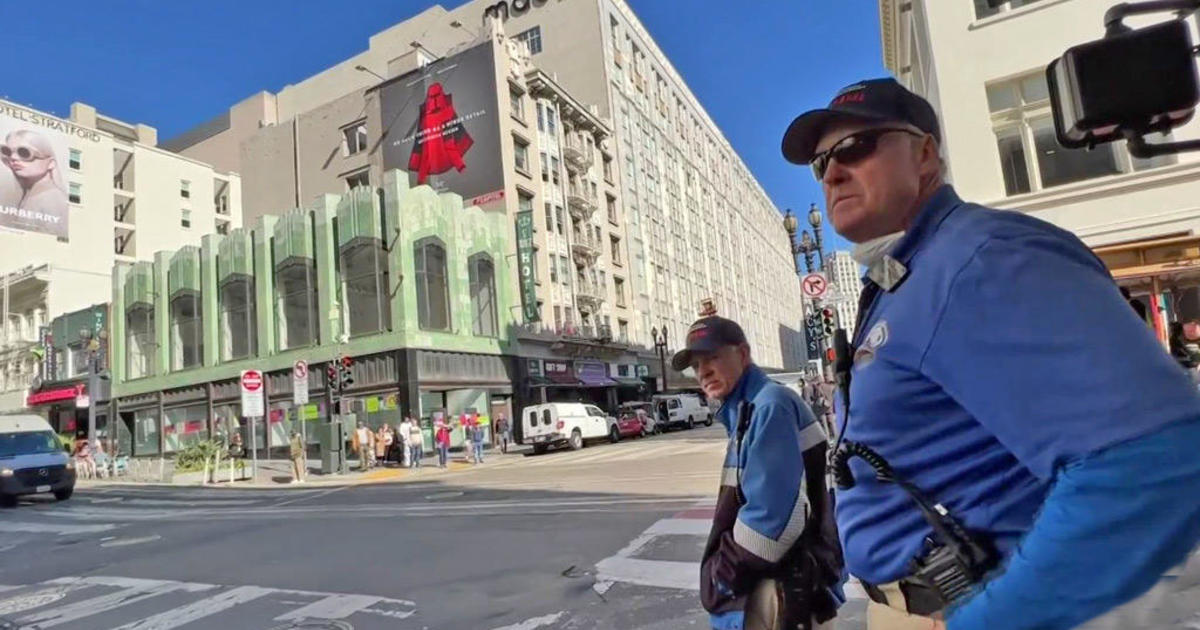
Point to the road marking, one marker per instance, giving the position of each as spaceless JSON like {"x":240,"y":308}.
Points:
{"x":311,"y":495}
{"x":125,"y":582}
{"x":660,"y":573}
{"x":125,"y":542}
{"x":97,"y":605}
{"x":535,"y":622}
{"x":61,"y":529}
{"x":332,"y":607}
{"x":680,"y":526}
{"x":34,"y":599}
{"x":198,"y":610}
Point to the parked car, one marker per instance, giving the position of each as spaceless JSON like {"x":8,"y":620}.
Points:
{"x":643,"y":411}
{"x":33,"y":460}
{"x":631,"y":422}
{"x":565,"y":424}
{"x":681,"y":411}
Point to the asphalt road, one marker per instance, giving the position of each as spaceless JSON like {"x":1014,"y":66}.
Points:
{"x":606,"y":537}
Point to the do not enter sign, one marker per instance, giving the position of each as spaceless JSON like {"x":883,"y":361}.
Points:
{"x":252,"y":393}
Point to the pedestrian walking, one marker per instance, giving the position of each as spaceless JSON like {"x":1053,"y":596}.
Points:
{"x":299,"y":463}
{"x":996,"y":373}
{"x":383,"y":441}
{"x":477,"y":435}
{"x":415,"y":442}
{"x":363,"y":444}
{"x":404,"y":432}
{"x":503,"y":431}
{"x":441,"y":438}
{"x":772,"y":560}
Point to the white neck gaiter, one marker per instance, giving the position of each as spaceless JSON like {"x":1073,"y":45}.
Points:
{"x":870,"y":252}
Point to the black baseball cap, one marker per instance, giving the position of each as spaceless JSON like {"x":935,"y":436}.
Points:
{"x":708,"y":334}
{"x":873,"y":100}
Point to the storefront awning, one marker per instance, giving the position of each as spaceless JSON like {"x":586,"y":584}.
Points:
{"x":595,"y":380}
{"x":563,"y":378}
{"x":625,"y":381}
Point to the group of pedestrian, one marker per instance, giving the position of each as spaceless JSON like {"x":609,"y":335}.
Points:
{"x":402,"y":444}
{"x":1014,"y":448}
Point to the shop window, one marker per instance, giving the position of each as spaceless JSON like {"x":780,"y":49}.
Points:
{"x":184,"y":426}
{"x":140,"y":345}
{"x":483,"y":295}
{"x":238,"y":327}
{"x":433,"y":296}
{"x":296,"y":295}
{"x":187,"y":342}
{"x":365,"y":286}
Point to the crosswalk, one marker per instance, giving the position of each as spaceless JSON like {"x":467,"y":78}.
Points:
{"x":124,"y":603}
{"x":633,"y":451}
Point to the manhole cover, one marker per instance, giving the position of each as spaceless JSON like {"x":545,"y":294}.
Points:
{"x":307,"y":624}
{"x":443,"y":495}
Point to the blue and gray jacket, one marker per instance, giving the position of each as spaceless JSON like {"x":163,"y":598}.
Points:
{"x":767,"y":504}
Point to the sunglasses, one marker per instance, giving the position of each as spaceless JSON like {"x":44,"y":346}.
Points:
{"x":25,"y":154}
{"x":854,"y":148}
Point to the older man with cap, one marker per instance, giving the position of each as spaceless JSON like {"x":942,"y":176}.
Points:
{"x":1016,"y":448}
{"x":772,"y":559}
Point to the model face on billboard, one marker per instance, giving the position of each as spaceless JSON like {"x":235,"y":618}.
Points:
{"x":29,"y":156}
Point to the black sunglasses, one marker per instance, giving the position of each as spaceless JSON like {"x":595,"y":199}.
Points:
{"x":21,"y":153}
{"x":854,"y":148}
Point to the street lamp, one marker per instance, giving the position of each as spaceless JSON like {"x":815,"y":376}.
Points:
{"x":93,"y":372}
{"x":807,"y":246}
{"x":362,"y":68}
{"x":660,"y":347}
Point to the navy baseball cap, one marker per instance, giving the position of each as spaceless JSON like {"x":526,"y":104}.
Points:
{"x":708,"y":334}
{"x":873,"y":100}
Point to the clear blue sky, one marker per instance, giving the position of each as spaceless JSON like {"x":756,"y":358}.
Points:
{"x":174,"y":64}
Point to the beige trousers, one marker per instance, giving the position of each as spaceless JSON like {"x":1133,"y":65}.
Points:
{"x":893,"y":617}
{"x":763,"y":610}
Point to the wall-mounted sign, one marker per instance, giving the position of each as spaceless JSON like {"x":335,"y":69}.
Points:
{"x":525,"y":265}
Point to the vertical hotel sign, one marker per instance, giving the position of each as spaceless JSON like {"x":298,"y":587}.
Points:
{"x":525,"y":264}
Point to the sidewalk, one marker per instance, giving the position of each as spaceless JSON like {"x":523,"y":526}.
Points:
{"x":277,"y":473}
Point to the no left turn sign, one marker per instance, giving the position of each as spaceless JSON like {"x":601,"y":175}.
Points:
{"x":814,"y":285}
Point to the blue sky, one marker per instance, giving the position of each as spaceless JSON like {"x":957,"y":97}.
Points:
{"x":174,"y":64}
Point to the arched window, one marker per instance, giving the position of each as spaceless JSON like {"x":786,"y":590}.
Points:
{"x":433,"y":295}
{"x":483,"y":295}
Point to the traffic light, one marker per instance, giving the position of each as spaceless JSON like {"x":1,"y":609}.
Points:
{"x":331,"y":373}
{"x":347,"y":375}
{"x":827,"y":323}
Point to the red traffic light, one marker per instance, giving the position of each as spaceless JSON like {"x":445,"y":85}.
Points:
{"x":827,"y":313}
{"x":347,"y":362}
{"x":830,"y":355}
{"x":331,"y":371}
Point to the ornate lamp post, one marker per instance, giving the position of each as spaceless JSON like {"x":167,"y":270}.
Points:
{"x":660,"y":347}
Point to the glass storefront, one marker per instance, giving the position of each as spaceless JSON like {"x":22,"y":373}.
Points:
{"x":286,"y":417}
{"x":185,"y":426}
{"x":145,"y":432}
{"x":228,"y":420}
{"x":453,"y":404}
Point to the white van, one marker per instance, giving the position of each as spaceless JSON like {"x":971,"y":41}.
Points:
{"x":558,"y":424}
{"x":675,"y":411}
{"x":32,"y":460}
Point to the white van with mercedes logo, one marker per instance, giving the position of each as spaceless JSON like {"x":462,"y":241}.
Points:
{"x":32,"y":460}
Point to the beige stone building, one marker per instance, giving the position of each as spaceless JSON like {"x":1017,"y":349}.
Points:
{"x":642,"y":209}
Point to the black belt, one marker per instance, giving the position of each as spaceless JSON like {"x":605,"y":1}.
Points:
{"x":918,"y":598}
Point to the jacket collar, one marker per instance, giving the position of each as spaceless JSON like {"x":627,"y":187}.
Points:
{"x":748,"y":386}
{"x":939,"y":206}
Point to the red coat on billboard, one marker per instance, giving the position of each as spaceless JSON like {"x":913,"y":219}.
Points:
{"x":441,"y":141}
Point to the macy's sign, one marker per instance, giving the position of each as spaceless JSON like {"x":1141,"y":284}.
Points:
{"x":501,"y":10}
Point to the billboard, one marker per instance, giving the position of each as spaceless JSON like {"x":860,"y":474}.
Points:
{"x":33,"y":165}
{"x":441,"y":125}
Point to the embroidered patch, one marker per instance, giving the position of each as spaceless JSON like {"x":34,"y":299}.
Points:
{"x":876,"y":338}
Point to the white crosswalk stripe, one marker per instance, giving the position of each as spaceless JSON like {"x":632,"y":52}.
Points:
{"x":97,"y":601}
{"x":630,"y":452}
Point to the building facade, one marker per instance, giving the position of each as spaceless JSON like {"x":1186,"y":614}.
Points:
{"x":1139,"y":215}
{"x":402,"y":280}
{"x":78,"y":196}
{"x":846,"y":286}
{"x":659,"y":212}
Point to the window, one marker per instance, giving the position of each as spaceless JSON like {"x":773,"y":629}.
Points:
{"x":516,"y":101}
{"x":524,"y":202}
{"x":1030,"y":156}
{"x":187,"y":341}
{"x":551,"y":122}
{"x":483,"y":295}
{"x":619,"y":288}
{"x":545,"y":167}
{"x":75,"y":160}
{"x":433,"y":295}
{"x":554,"y":273}
{"x":614,"y":246}
{"x":354,"y":138}
{"x":185,"y":218}
{"x":521,"y":154}
{"x":532,"y":38}
{"x":296,"y":295}
{"x":982,"y":8}
{"x":541,"y":118}
{"x":558,"y":219}
{"x":564,"y":270}
{"x":608,"y":172}
{"x":622,"y":330}
{"x":549,"y":218}
{"x":611,"y":204}
{"x":366,"y":286}
{"x":185,"y":189}
{"x":222,"y":228}
{"x":75,"y":194}
{"x":141,"y":346}
{"x":557,"y":317}
{"x":554,"y":169}
{"x":361,"y":178}
{"x":238,"y":319}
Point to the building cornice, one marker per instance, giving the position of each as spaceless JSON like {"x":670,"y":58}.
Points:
{"x":887,"y":33}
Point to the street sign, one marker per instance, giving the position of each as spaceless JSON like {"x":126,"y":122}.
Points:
{"x":814,"y":285}
{"x":300,"y":382}
{"x":252,"y":393}
{"x":812,"y":336}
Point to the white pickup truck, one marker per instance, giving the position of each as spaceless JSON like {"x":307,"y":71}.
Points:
{"x":558,"y":424}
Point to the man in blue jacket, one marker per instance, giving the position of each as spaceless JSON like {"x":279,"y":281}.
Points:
{"x":997,"y":368}
{"x":772,"y":560}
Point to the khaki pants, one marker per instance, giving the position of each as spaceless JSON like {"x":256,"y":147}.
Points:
{"x":891,"y":616}
{"x":763,"y":610}
{"x":298,"y":466}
